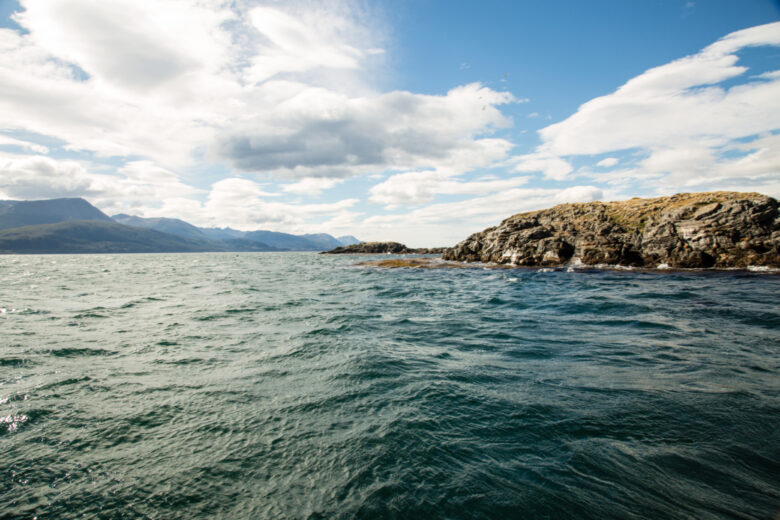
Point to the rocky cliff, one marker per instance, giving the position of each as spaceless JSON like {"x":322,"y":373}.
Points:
{"x":717,"y":229}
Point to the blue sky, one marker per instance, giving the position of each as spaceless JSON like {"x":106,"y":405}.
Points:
{"x":417,"y":121}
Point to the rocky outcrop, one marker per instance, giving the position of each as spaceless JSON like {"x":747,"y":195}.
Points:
{"x":373,"y":248}
{"x":717,"y":229}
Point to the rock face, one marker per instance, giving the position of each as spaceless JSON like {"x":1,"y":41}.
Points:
{"x":372,"y":248}
{"x":717,"y":229}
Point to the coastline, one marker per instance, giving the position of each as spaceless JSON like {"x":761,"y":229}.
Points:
{"x":439,"y":263}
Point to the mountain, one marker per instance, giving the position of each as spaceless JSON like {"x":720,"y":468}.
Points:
{"x":272,"y":240}
{"x":173,"y":226}
{"x":693,"y":230}
{"x":75,"y":226}
{"x":34,"y":212}
{"x":283,"y":241}
{"x":92,"y":236}
{"x":323,"y":241}
{"x":347,"y":240}
{"x":222,"y":233}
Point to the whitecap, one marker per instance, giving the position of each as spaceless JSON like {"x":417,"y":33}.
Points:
{"x":13,"y":421}
{"x":762,"y":269}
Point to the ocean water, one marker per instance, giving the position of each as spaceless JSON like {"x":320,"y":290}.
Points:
{"x":295,"y":385}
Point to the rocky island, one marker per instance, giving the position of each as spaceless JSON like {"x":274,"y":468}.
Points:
{"x":374,"y":248}
{"x":687,"y":230}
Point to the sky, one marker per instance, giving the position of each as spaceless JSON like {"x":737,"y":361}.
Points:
{"x":418,"y":121}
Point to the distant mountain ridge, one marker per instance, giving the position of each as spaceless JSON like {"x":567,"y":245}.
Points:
{"x":73,"y":225}
{"x":173,"y":226}
{"x":35,"y":212}
{"x":273,"y":239}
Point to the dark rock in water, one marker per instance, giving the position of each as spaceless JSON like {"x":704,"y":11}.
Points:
{"x":428,"y":250}
{"x":693,"y":230}
{"x":367,"y":248}
{"x":373,"y":248}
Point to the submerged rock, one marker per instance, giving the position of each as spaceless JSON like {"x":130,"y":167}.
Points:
{"x":372,"y":248}
{"x":691,"y":230}
{"x":418,"y":263}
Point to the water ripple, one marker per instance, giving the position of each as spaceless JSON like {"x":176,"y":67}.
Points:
{"x":292,"y":385}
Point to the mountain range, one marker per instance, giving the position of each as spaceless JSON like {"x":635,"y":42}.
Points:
{"x":73,"y":225}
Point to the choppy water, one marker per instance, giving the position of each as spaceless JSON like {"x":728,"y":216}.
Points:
{"x":294,"y":385}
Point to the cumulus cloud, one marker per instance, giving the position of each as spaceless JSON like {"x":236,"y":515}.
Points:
{"x":414,"y":188}
{"x":138,"y":184}
{"x":311,"y":185}
{"x":242,"y":204}
{"x":149,"y":45}
{"x":32,"y":177}
{"x":163,"y":79}
{"x":552,"y":166}
{"x":579,"y":194}
{"x":280,"y":89}
{"x":317,"y":132}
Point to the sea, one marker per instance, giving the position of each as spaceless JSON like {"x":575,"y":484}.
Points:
{"x":304,"y":386}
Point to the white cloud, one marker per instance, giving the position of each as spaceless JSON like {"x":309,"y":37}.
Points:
{"x":552,"y":166}
{"x":679,"y":118}
{"x":241,"y":204}
{"x":132,"y":46}
{"x":413,"y":188}
{"x":311,"y":185}
{"x":283,"y":89}
{"x":138,"y":184}
{"x":609,"y":162}
{"x":27,"y":145}
{"x":673,"y":102}
{"x":294,"y":46}
{"x":161,"y":80}
{"x":315,"y":132}
{"x":579,"y":194}
{"x":33,"y":177}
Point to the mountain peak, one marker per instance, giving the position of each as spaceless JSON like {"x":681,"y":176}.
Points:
{"x":52,"y":211}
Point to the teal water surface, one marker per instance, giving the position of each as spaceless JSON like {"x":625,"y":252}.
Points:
{"x":296,"y":385}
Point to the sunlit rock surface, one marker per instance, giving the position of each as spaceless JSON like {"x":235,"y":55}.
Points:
{"x":690,"y":230}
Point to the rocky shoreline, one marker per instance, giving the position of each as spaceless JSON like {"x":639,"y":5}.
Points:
{"x":438,"y":263}
{"x":687,"y":230}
